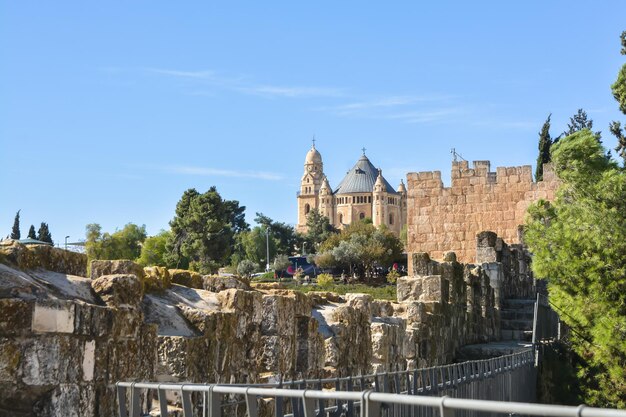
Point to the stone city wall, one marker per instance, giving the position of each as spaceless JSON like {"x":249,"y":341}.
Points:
{"x":444,"y":219}
{"x":66,"y":339}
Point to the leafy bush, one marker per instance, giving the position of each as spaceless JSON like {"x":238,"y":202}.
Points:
{"x":393,"y":276}
{"x":325,"y":280}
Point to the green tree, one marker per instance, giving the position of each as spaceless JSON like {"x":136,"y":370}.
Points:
{"x":31,"y":232}
{"x":153,"y":249}
{"x":203,"y":231}
{"x":121,"y":244}
{"x":255,"y":246}
{"x":545,"y":142}
{"x":44,"y":234}
{"x":15,"y":231}
{"x":578,"y":122}
{"x":579,"y":246}
{"x":619,"y":92}
{"x":285,"y":236}
{"x":361,"y":244}
{"x":246,"y":268}
{"x":318,"y":230}
{"x":281,"y":263}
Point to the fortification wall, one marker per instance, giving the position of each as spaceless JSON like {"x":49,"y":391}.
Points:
{"x":442,"y":219}
{"x":66,"y":339}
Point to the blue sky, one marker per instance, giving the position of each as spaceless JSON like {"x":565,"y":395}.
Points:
{"x":109,"y":111}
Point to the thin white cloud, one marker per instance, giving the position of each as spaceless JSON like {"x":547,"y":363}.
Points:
{"x":292,"y":92}
{"x":386,"y":102}
{"x":217,"y":172}
{"x":424,"y":116}
{"x":185,"y":74}
{"x":244,"y":86}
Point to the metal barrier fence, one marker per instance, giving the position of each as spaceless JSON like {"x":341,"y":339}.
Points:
{"x":505,"y":378}
{"x":369,"y":403}
{"x":546,"y":323}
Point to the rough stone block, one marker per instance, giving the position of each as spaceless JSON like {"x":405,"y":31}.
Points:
{"x":15,"y":316}
{"x":156,"y":279}
{"x":187,"y":278}
{"x":119,"y":290}
{"x":423,"y":288}
{"x":100,"y":268}
{"x":53,"y":318}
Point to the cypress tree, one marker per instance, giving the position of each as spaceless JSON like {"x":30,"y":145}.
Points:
{"x":31,"y":232}
{"x":44,"y":233}
{"x":15,"y":232}
{"x":545,"y":142}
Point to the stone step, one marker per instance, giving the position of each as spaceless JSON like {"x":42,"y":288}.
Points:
{"x":523,"y":335}
{"x":516,"y":324}
{"x":517,"y":304}
{"x":517,"y":315}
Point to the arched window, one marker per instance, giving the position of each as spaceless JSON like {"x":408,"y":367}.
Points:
{"x":361,"y":216}
{"x":340,"y":218}
{"x":307,"y":209}
{"x":390,"y":218}
{"x":307,"y":180}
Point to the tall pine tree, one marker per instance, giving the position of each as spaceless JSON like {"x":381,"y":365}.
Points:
{"x":31,"y":232}
{"x":15,"y":232}
{"x":44,"y":233}
{"x":619,"y":92}
{"x":545,"y":142}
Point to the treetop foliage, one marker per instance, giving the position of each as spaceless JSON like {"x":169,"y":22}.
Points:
{"x":15,"y":231}
{"x":319,"y":230}
{"x":361,"y":244}
{"x":43,"y":234}
{"x":121,"y":244}
{"x":619,"y":92}
{"x":545,"y":142}
{"x":31,"y":232}
{"x":203,"y":231}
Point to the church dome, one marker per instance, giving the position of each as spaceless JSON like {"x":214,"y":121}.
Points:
{"x":313,"y":156}
{"x":361,"y":179}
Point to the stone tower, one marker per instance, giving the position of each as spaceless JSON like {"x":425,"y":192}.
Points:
{"x":379,"y":213}
{"x":310,"y":185}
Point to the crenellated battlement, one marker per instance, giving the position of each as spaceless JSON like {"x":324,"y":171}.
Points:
{"x":444,"y":219}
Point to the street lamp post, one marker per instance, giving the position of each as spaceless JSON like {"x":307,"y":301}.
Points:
{"x":267,"y":246}
{"x":66,"y":242}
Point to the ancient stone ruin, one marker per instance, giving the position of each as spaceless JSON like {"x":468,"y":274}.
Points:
{"x":66,"y":338}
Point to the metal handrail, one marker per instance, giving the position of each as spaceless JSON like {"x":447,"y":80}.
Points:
{"x":370,"y":402}
{"x":427,"y":381}
{"x":516,"y":359}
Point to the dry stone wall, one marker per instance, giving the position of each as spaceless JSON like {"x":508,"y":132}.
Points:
{"x":442,"y":219}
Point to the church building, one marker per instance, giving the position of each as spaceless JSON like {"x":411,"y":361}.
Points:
{"x":363,"y":192}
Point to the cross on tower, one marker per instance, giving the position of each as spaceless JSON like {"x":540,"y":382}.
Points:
{"x":314,"y":141}
{"x":363,"y":149}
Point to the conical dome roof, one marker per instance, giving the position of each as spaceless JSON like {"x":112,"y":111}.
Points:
{"x":401,"y":187}
{"x":313,"y":156}
{"x":361,"y":179}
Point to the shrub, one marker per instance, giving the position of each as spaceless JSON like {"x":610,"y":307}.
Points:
{"x":393,"y":276}
{"x":325,"y":280}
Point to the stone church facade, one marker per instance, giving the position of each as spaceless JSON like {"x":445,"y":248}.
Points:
{"x":363,"y":193}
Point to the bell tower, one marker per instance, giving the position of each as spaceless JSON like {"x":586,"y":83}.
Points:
{"x":380,"y":201}
{"x":310,"y":185}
